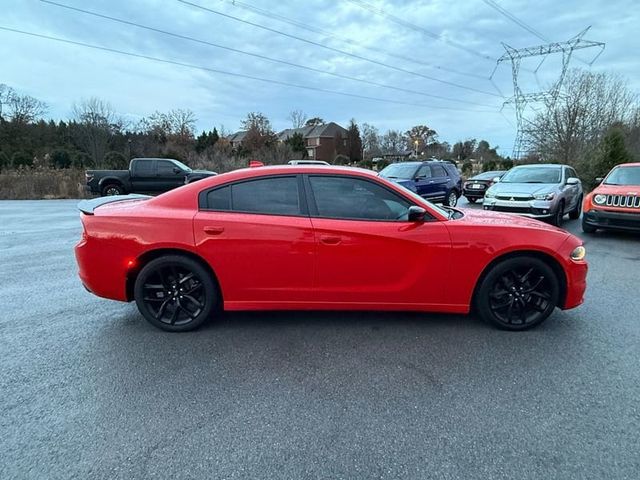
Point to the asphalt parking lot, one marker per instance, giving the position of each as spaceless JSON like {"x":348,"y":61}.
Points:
{"x":90,"y":390}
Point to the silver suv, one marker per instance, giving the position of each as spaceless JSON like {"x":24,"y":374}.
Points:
{"x":545,"y":191}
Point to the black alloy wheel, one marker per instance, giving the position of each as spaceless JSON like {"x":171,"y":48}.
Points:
{"x":112,"y":189}
{"x":518,"y":293}
{"x":175,"y":293}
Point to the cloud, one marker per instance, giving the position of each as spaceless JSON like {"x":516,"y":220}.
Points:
{"x":62,"y":74}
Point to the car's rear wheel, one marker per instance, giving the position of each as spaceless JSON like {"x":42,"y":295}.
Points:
{"x":559,"y":215}
{"x":575,"y":213}
{"x":175,"y":293}
{"x":112,"y":189}
{"x":518,"y":293}
{"x":451,"y":200}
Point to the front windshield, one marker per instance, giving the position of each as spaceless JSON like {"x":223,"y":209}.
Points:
{"x":402,"y":171}
{"x":623,"y":176}
{"x":420,"y":200}
{"x":181,"y":165}
{"x":532,"y":175}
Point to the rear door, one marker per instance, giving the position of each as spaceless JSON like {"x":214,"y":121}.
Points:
{"x":143,"y":175}
{"x":368,"y":253}
{"x":440,"y":180}
{"x":257,"y":236}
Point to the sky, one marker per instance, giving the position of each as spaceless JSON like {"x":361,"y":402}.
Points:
{"x":407,"y":62}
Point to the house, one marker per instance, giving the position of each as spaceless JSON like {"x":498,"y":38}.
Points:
{"x":236,"y":139}
{"x":326,"y":142}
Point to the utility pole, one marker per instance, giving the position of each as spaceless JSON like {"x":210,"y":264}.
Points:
{"x":520,"y":99}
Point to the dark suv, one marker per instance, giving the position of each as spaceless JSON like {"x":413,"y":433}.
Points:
{"x":435,"y":180}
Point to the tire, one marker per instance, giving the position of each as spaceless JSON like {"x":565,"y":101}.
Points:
{"x":518,"y":293}
{"x":586,"y":228}
{"x":558,"y":216}
{"x":451,"y":200}
{"x":175,"y":293}
{"x":575,"y":213}
{"x":112,"y":189}
{"x":471,"y":199}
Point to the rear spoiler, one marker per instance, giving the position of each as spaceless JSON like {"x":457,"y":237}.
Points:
{"x":88,"y":206}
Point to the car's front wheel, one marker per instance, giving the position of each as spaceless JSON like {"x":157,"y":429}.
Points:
{"x":451,"y":200}
{"x":518,"y":293}
{"x":175,"y":293}
{"x":575,"y":213}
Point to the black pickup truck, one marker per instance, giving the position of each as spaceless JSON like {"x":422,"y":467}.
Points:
{"x":148,"y":175}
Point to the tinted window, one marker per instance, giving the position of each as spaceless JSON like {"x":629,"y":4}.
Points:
{"x":571,"y":173}
{"x":399,"y":170}
{"x":165,"y":167}
{"x":219,"y":199}
{"x":143,"y":167}
{"x":278,"y":196}
{"x":487,"y":175}
{"x":438,"y":171}
{"x":356,"y":199}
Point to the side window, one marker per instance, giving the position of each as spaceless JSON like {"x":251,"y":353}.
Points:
{"x":165,"y":168}
{"x":219,"y":199}
{"x":423,"y":172}
{"x":438,"y":171}
{"x":143,"y":168}
{"x":571,"y":173}
{"x":275,"y":196}
{"x":356,"y":199}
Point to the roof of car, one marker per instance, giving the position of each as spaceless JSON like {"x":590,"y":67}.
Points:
{"x":539,"y":165}
{"x":634,"y":164}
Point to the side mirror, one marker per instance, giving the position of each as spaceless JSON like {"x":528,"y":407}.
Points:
{"x":416,"y":214}
{"x":176,"y":170}
{"x":495,"y":179}
{"x":573,"y":181}
{"x":599,"y":179}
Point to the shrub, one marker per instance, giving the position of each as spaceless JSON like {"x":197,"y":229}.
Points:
{"x":82,"y":160}
{"x":467,"y":168}
{"x":5,"y":161}
{"x":21,"y":159}
{"x":60,"y":159}
{"x":115,"y":161}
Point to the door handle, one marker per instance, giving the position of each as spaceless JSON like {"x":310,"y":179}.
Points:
{"x":330,"y":240}
{"x":213,"y":230}
{"x":432,"y":181}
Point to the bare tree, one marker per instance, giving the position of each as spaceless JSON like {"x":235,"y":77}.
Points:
{"x":569,"y":129}
{"x":314,"y":122}
{"x":259,"y":131}
{"x":370,"y":140}
{"x":394,"y":142}
{"x":298,"y":118}
{"x":20,"y":108}
{"x":96,"y":122}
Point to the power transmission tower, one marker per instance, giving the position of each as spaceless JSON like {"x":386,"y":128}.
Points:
{"x":520,"y":99}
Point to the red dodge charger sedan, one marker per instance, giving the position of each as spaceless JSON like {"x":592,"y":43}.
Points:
{"x":321,"y":238}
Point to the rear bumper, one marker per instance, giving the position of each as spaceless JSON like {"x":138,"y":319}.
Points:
{"x":98,"y":273}
{"x":469,"y":193}
{"x":613,"y":220}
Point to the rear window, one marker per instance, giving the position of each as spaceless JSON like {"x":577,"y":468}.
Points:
{"x":438,"y":171}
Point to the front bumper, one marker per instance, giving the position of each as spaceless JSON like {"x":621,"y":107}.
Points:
{"x":529,"y":208}
{"x":613,"y":220}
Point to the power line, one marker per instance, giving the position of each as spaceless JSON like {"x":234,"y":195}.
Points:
{"x":337,"y":50}
{"x":255,"y":55}
{"x":347,"y":40}
{"x":417,"y":28}
{"x":233,"y":74}
{"x":516,"y":20}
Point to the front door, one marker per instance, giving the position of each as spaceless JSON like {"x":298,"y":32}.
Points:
{"x":258,"y":238}
{"x":368,"y":252}
{"x":168,"y":175}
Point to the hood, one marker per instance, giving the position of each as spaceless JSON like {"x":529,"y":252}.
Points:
{"x":603,"y":189}
{"x":484,"y":217}
{"x":520,"y":188}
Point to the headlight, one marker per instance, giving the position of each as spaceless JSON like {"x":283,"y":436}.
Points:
{"x":600,"y":199}
{"x":489,"y":194}
{"x":544,"y":196}
{"x":578,"y":253}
